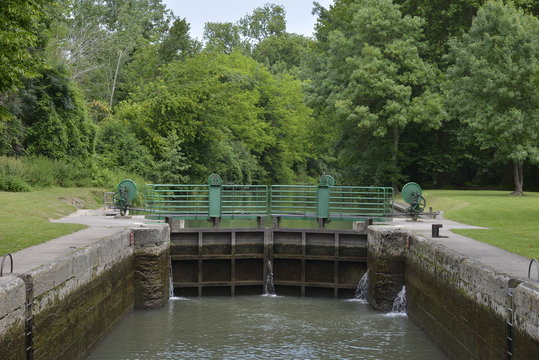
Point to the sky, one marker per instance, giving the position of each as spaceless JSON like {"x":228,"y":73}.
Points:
{"x":199,"y":12}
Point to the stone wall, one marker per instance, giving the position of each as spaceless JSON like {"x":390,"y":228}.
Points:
{"x":12,"y":318}
{"x":71,"y":303}
{"x":386,"y":259}
{"x":151,"y":266}
{"x":460,"y":303}
{"x":77,"y":298}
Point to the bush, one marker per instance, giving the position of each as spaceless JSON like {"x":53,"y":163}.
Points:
{"x":42,"y":172}
{"x":39,"y":171}
{"x":23,"y":174}
{"x":13,"y":184}
{"x":11,"y":167}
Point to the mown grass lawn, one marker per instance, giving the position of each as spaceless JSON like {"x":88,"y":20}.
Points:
{"x":513,"y":221}
{"x":24,"y":216}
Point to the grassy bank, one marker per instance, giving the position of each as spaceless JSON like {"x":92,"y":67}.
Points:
{"x":24,"y":216}
{"x":513,"y":221}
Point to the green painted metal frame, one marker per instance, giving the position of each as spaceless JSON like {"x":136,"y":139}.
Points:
{"x":190,"y":202}
{"x":293,"y":202}
{"x":352,"y":203}
{"x":299,"y":202}
{"x":244,"y":201}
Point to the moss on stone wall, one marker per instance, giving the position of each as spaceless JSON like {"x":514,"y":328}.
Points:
{"x":68,"y":329}
{"x":151,"y":273}
{"x":461,"y":327}
{"x":386,"y":278}
{"x":525,"y":347}
{"x":12,"y":343}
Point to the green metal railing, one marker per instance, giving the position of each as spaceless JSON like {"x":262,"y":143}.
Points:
{"x":182,"y":201}
{"x":293,"y":201}
{"x":245,"y":201}
{"x":356,"y":202}
{"x":216,"y":201}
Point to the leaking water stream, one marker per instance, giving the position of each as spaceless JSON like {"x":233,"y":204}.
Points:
{"x":269,"y":289}
{"x":362,"y":287}
{"x":262,"y":327}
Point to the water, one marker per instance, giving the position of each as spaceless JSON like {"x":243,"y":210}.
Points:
{"x":269,"y":289}
{"x":170,"y":280}
{"x":399,"y":304}
{"x":259,"y":327}
{"x":362,"y":287}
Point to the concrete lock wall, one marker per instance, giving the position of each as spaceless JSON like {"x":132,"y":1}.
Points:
{"x":460,"y":303}
{"x":151,"y":266}
{"x":12,"y":318}
{"x":67,"y":306}
{"x":386,"y":261}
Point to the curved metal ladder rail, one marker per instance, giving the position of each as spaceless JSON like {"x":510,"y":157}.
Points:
{"x":530,"y":268}
{"x":2,"y":264}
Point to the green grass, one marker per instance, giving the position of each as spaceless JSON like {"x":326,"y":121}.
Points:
{"x":24,"y":216}
{"x":513,"y":221}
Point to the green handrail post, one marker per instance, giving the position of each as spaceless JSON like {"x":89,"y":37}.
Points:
{"x":215,"y":182}
{"x":322,"y":199}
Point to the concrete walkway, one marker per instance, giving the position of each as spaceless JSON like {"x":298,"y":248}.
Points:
{"x":100,"y":227}
{"x":499,"y":259}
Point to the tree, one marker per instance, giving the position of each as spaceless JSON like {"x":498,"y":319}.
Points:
{"x":54,"y":117}
{"x":177,"y":44}
{"x":101,"y":37}
{"x":222,"y":37}
{"x":20,"y":24}
{"x":450,"y":18}
{"x":284,"y":52}
{"x":230,"y":115}
{"x":172,"y":169}
{"x":264,"y":21}
{"x":490,"y":85}
{"x":118,"y":148}
{"x":370,"y":77}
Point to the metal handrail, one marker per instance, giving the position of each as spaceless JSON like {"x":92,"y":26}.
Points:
{"x":2,"y":264}
{"x":530,"y":268}
{"x":344,"y":203}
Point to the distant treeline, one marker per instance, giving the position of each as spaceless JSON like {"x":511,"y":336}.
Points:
{"x":444,"y":93}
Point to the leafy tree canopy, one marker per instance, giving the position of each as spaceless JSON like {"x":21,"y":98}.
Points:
{"x":285,"y":52}
{"x":230,"y":115}
{"x":222,"y":37}
{"x":20,"y":24}
{"x":371,"y":75}
{"x":54,"y":117}
{"x":490,"y":84}
{"x":264,"y":21}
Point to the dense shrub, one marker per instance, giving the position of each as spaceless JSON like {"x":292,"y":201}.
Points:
{"x":13,"y":184}
{"x":17,"y":174}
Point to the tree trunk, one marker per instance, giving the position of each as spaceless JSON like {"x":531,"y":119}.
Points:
{"x":394,"y":153}
{"x":115,"y":78}
{"x":519,"y":178}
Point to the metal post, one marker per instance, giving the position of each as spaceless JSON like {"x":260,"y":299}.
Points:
{"x":322,"y":199}
{"x":215,"y":183}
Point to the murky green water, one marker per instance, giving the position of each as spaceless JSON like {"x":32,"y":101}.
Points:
{"x":259,"y":327}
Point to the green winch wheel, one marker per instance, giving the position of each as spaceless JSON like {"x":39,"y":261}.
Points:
{"x":410,"y":192}
{"x":129,"y":187}
{"x":419,"y":204}
{"x":127,"y":190}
